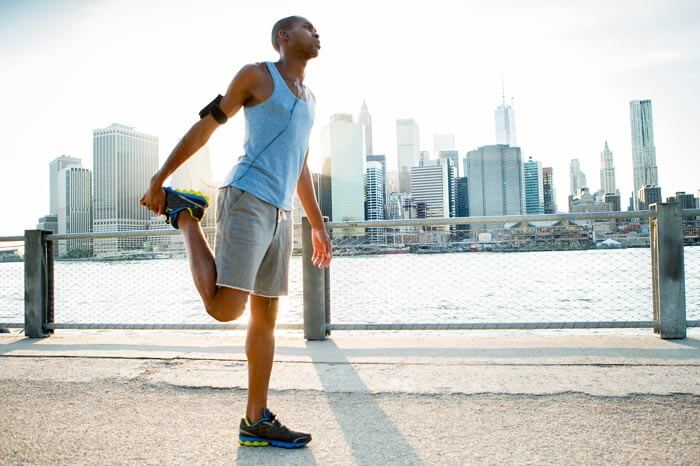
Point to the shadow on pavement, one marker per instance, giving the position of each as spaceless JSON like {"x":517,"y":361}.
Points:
{"x":370,"y":435}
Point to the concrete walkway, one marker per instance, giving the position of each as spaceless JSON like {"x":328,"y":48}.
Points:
{"x":149,"y":398}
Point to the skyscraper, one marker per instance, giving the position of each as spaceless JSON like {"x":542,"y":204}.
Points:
{"x":55,"y":166}
{"x":430,"y":185}
{"x":365,"y":119}
{"x":505,"y":124}
{"x":344,"y":149}
{"x":123,"y":162}
{"x":374,"y":198}
{"x":607,"y":171}
{"x":408,"y":148}
{"x":643,"y":149}
{"x":462,"y":200}
{"x":381,"y":159}
{"x":495,"y":176}
{"x":74,"y":208}
{"x":453,"y":155}
{"x":534,"y":187}
{"x":648,"y":195}
{"x":577,"y":178}
{"x":548,"y":191}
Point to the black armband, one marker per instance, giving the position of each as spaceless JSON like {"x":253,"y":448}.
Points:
{"x":214,"y":110}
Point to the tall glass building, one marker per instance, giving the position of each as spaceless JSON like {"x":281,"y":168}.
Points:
{"x":74,"y":208}
{"x":534,"y":191}
{"x":407,"y":149}
{"x":496,"y":179}
{"x":644,"y":167}
{"x":548,"y":191}
{"x":123,"y":162}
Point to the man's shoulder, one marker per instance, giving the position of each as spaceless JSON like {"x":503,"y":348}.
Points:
{"x":254,"y":71}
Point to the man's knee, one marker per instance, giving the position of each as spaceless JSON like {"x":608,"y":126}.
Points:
{"x":228,"y":304}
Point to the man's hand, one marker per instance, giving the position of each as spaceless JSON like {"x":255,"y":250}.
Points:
{"x":154,"y":198}
{"x":323,"y":249}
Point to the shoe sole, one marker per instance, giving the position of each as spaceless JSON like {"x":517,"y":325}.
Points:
{"x":257,"y":442}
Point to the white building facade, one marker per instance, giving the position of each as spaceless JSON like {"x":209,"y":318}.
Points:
{"x":74,"y":209}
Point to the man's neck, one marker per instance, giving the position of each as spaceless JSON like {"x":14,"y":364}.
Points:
{"x":292,"y":68}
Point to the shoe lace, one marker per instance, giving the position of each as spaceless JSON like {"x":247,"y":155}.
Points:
{"x":279,"y":427}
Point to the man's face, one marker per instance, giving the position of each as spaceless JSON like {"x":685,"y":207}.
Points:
{"x":304,"y":38}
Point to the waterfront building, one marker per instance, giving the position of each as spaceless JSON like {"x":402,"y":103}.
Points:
{"x":495,"y":181}
{"x":365,"y":119}
{"x":645,"y":172}
{"x":452,"y":155}
{"x":548,"y":191}
{"x":534,"y":187}
{"x":344,"y":151}
{"x":55,"y":166}
{"x":374,"y":199}
{"x":462,"y":200}
{"x":686,"y":201}
{"x":577,"y":179}
{"x":123,"y":162}
{"x":648,"y":195}
{"x":607,"y":171}
{"x":48,"y":223}
{"x":430,"y":186}
{"x":74,"y":209}
{"x":614,"y":201}
{"x":505,"y":124}
{"x":381,"y":159}
{"x":407,"y":149}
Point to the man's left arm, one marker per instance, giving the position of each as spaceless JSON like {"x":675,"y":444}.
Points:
{"x":323,"y":249}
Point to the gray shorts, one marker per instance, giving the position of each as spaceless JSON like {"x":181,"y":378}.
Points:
{"x":253,"y":244}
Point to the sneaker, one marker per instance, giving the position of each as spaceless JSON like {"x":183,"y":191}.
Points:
{"x":268,"y":431}
{"x":181,"y":200}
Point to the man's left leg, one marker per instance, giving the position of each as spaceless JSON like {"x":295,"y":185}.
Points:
{"x":260,"y":427}
{"x":260,"y":349}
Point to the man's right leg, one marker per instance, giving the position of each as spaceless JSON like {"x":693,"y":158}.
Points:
{"x":223,"y":304}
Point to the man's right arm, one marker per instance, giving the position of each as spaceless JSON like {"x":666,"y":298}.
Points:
{"x":244,"y":86}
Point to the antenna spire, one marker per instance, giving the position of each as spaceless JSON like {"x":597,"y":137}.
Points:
{"x":503,"y":89}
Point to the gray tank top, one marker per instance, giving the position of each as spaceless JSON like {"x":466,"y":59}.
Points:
{"x":276,"y":140}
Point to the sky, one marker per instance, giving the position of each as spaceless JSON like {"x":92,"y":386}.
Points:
{"x":571,"y":68}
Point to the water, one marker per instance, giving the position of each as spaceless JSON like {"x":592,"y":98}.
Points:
{"x":593,"y":285}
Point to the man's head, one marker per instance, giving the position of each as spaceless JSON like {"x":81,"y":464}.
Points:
{"x":295,"y":32}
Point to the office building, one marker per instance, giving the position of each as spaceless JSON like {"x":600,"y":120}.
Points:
{"x":443,"y":142}
{"x":577,"y":179}
{"x":505,"y":124}
{"x":645,"y":172}
{"x":365,"y":119}
{"x":548,"y":191}
{"x":408,"y":149}
{"x":648,"y":195}
{"x":124,"y":160}
{"x":74,"y":209}
{"x":55,"y":166}
{"x":534,"y":187}
{"x":495,"y":181}
{"x":607,"y":171}
{"x":374,"y":199}
{"x":614,"y":201}
{"x":344,"y":151}
{"x":48,"y":223}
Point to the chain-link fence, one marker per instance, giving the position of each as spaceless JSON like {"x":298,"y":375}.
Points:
{"x":532,"y":272}
{"x":691,"y":237}
{"x":12,"y":280}
{"x":150,"y":286}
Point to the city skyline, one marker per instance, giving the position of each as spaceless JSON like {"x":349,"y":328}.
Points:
{"x":591,"y":61}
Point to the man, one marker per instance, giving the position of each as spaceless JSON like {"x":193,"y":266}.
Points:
{"x":254,"y":225}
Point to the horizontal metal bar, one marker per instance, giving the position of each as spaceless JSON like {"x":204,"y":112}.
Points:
{"x":14,"y":239}
{"x":120,"y":326}
{"x":693,"y":323}
{"x":497,"y":325}
{"x":122,"y":234}
{"x":11,"y":324}
{"x":690,"y":212}
{"x":494,"y":219}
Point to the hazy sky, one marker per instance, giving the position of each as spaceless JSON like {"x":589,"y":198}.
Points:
{"x":67,"y":67}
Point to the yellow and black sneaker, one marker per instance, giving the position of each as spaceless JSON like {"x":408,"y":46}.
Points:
{"x":180,"y":200}
{"x":268,"y":431}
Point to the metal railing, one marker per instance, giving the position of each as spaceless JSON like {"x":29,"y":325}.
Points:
{"x":659,"y":285}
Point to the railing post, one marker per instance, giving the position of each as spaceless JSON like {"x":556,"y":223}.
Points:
{"x":314,"y":289}
{"x":36,"y":280}
{"x":668,"y":271}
